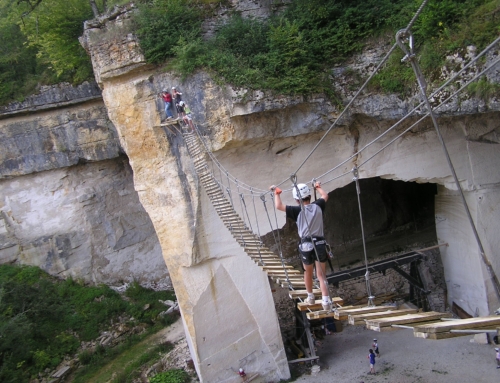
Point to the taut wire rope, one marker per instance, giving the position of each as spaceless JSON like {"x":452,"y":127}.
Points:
{"x":443,"y":102}
{"x":256,"y":223}
{"x":406,"y":36}
{"x":410,"y":24}
{"x":367,"y":273}
{"x":277,"y":239}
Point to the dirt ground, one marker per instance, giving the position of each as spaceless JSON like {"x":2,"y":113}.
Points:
{"x":403,"y":359}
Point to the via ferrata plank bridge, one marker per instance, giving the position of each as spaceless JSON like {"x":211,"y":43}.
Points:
{"x":282,"y":274}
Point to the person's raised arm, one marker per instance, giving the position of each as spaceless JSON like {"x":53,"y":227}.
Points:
{"x":277,"y":198}
{"x":322,"y":193}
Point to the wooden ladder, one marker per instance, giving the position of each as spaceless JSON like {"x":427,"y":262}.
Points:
{"x":284,"y":275}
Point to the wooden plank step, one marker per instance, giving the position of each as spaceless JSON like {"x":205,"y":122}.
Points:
{"x":273,"y":267}
{"x":364,"y":310}
{"x":380,"y":324}
{"x":320,"y":314}
{"x":207,"y":184}
{"x":360,"y":318}
{"x":222,"y":201}
{"x":211,"y":188}
{"x":293,"y":279}
{"x":252,"y":244}
{"x":267,"y":262}
{"x":302,"y":294}
{"x":343,"y":313}
{"x":264,"y":257}
{"x":295,"y":285}
{"x":263,"y":254}
{"x":301,"y":306}
{"x":213,"y":191}
{"x":460,"y":324}
{"x":445,"y":335}
{"x":249,"y":235}
{"x":281,"y":273}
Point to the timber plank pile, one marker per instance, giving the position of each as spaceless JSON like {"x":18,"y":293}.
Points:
{"x":410,"y":320}
{"x":443,"y":329}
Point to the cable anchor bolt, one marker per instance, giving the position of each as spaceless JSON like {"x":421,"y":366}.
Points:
{"x":355,"y":173}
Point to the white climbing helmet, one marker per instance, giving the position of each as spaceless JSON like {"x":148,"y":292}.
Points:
{"x":303,"y":190}
{"x":181,"y":103}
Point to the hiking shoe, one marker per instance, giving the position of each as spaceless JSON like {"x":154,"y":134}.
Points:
{"x":327,"y":306}
{"x":309,"y":301}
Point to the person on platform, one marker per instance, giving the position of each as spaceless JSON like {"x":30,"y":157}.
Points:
{"x":167,"y":99}
{"x":309,"y":218}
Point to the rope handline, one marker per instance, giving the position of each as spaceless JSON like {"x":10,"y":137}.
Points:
{"x":402,"y":37}
{"x":367,"y":274}
{"x":427,"y":114}
{"x":473,"y":61}
{"x":219,"y":165}
{"x":415,"y":16}
{"x":276,"y":240}
{"x":257,"y":223}
{"x":242,"y":197}
{"x":241,"y":203}
{"x":415,"y":109}
{"x":424,"y":3}
{"x":280,"y":248}
{"x":344,"y":111}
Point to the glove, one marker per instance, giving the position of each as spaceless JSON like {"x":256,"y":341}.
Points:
{"x":278,"y":191}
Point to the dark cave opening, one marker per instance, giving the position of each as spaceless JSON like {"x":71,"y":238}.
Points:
{"x":397,"y":216}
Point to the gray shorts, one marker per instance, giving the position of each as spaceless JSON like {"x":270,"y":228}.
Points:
{"x":307,"y":256}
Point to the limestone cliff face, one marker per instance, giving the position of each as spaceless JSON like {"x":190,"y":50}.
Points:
{"x":251,"y":131}
{"x":67,"y":202}
{"x":260,"y":139}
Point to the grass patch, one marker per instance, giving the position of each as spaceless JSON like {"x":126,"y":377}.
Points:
{"x":171,"y":376}
{"x":42,"y":319}
{"x":483,"y":89}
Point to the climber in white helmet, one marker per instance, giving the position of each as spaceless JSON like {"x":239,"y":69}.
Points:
{"x":309,"y":218}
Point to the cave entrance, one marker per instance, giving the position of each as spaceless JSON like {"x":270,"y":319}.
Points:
{"x":397,"y":216}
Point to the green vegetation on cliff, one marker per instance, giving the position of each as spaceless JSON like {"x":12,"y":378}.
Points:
{"x":42,"y":319}
{"x":40,"y":44}
{"x":292,"y":52}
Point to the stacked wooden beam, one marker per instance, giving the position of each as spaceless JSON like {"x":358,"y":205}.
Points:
{"x":411,"y":320}
{"x":344,"y":312}
{"x":360,"y":319}
{"x":444,"y":329}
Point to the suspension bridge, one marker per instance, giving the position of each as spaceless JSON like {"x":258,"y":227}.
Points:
{"x":235,"y":202}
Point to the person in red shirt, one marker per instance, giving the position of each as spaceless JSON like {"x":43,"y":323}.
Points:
{"x":167,"y":99}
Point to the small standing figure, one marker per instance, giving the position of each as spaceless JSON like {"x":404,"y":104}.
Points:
{"x":167,"y":99}
{"x":177,"y":99}
{"x":186,"y":114}
{"x":242,"y":373}
{"x":498,"y":356}
{"x":375,"y":347}
{"x":371,"y":357}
